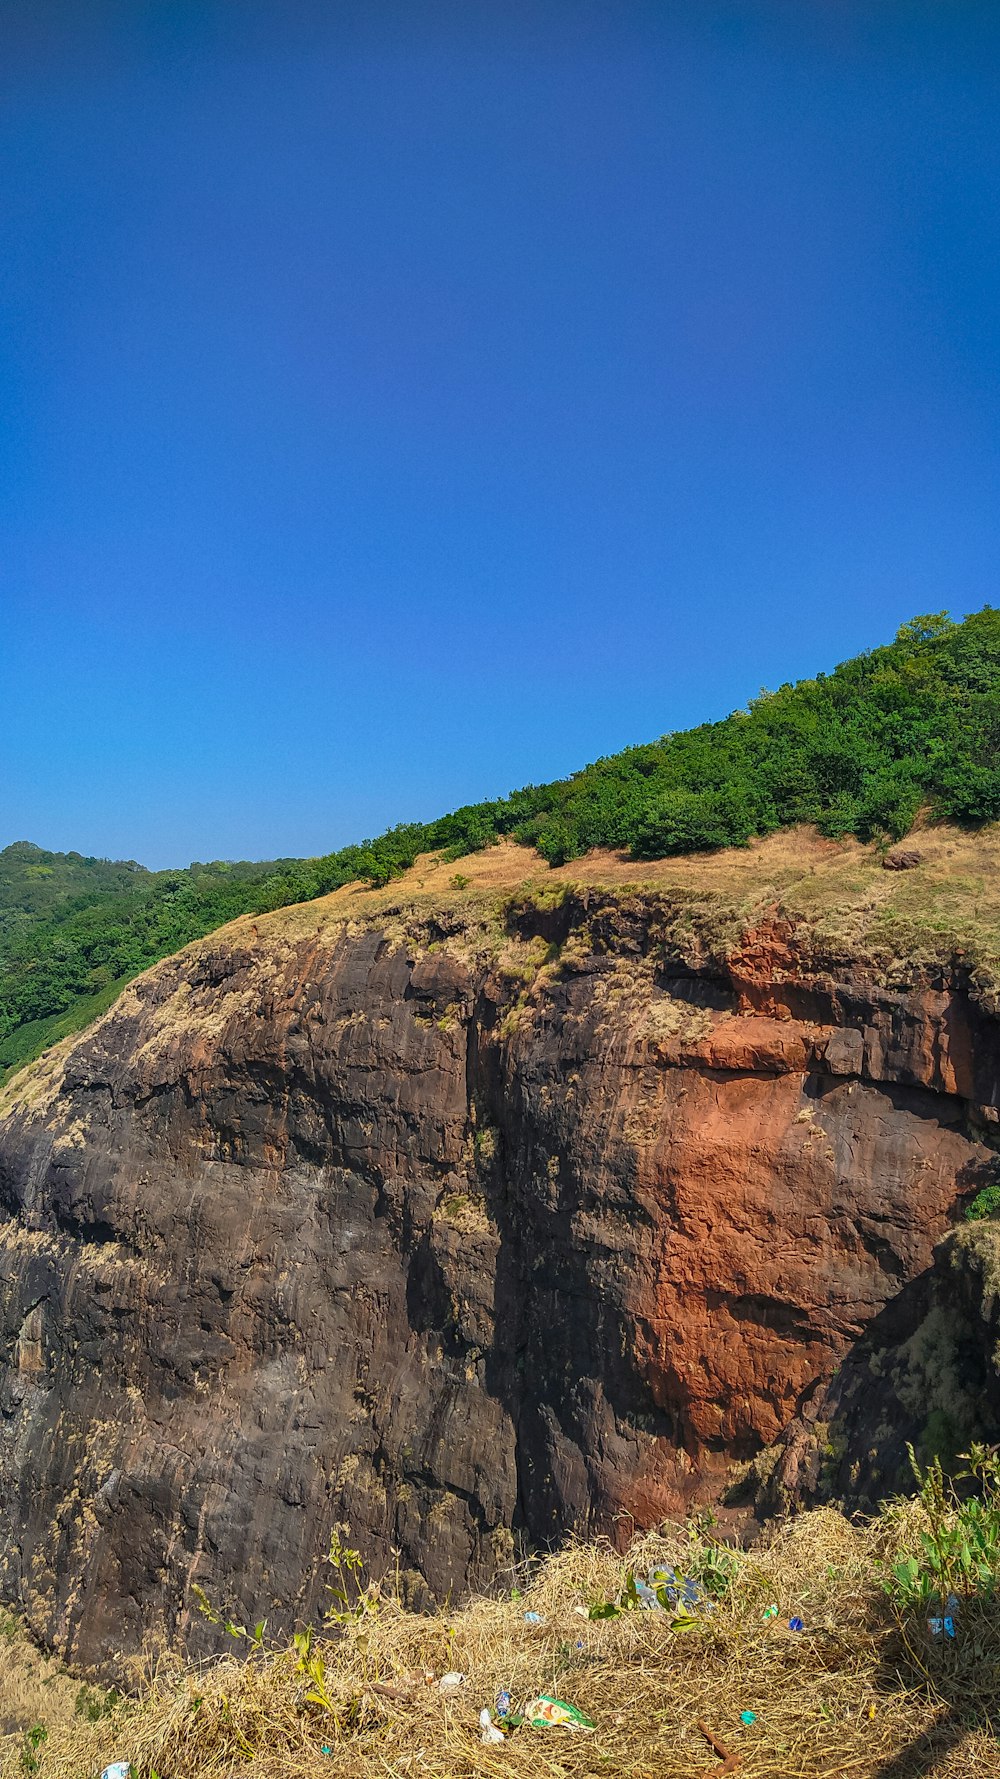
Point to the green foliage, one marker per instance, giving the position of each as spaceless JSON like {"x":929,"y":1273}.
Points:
{"x":92,"y":1704}
{"x":29,"y":1762}
{"x":707,"y":1574}
{"x":985,"y":1204}
{"x":350,"y":1598}
{"x":959,"y":1541}
{"x":67,"y":949}
{"x":857,"y":751}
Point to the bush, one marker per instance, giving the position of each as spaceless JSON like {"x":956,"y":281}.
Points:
{"x":693,"y":821}
{"x":985,"y":1204}
{"x":970,"y":793}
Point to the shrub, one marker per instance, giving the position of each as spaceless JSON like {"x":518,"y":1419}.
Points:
{"x":693,"y":821}
{"x":958,"y":1553}
{"x":985,"y":1204}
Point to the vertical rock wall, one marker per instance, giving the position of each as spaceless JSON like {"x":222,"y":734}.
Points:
{"x":454,"y":1237}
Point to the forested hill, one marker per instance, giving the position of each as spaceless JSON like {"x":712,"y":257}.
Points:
{"x":860,"y":750}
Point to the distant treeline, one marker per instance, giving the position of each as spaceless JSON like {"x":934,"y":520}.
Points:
{"x":858,"y":751}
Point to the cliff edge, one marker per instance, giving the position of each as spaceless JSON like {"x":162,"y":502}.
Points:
{"x":473,"y":1211}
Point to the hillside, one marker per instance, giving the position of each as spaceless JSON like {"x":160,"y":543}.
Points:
{"x":608,"y":1180}
{"x":475,"y":1200}
{"x":483,"y":1208}
{"x":909,"y":727}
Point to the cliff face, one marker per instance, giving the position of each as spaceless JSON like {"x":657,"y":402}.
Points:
{"x":445,"y":1232}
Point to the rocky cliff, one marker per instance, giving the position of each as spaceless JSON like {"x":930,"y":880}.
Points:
{"x":459,"y":1227}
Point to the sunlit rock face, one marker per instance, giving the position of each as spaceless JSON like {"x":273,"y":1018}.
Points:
{"x":455,"y":1235}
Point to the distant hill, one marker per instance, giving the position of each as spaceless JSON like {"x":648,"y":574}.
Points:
{"x":915,"y":724}
{"x":34,"y":884}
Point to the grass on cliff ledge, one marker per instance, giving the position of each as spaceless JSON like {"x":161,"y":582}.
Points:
{"x":834,"y":892}
{"x":863,"y":1690}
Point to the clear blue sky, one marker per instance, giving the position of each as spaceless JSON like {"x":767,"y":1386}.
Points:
{"x":405,"y":403}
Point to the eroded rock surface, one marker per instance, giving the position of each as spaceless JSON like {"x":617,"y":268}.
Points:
{"x":448,"y":1235}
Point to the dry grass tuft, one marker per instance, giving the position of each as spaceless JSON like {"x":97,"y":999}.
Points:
{"x":854,"y":1694}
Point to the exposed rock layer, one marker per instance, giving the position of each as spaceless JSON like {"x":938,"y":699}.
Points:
{"x":447,"y":1233}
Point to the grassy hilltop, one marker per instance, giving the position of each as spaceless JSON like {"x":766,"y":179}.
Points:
{"x":908,"y":727}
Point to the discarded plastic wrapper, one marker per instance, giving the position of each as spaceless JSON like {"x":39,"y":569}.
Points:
{"x":450,"y":1682}
{"x":769,"y":1612}
{"x":503,"y":1703}
{"x":647,"y":1597}
{"x":119,"y":1769}
{"x":946,"y":1624}
{"x":491,"y":1735}
{"x":795,"y":1624}
{"x":533,"y":1618}
{"x":748,"y":1717}
{"x":679,"y":1589}
{"x":544,"y":1713}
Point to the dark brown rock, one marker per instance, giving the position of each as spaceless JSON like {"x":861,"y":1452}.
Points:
{"x":902,"y":858}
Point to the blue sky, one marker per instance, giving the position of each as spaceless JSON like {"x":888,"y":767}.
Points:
{"x":405,"y":403}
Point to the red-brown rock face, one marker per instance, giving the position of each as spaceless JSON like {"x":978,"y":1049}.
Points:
{"x":393,"y":1228}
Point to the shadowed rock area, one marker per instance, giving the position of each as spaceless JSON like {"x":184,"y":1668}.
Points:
{"x":456,"y":1229}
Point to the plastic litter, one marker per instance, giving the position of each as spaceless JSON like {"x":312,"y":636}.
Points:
{"x":450,"y":1682}
{"x":503,"y":1703}
{"x":945,"y":1625}
{"x":647,"y":1597}
{"x":491,"y":1735}
{"x":748,"y":1717}
{"x":678,"y":1589}
{"x":795,"y":1624}
{"x":533,"y":1618}
{"x":544,"y":1713}
{"x":770,"y":1612}
{"x":119,"y":1769}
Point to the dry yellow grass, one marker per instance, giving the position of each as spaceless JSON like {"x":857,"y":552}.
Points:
{"x":836,"y":888}
{"x":835,"y":891}
{"x":847,"y":1696}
